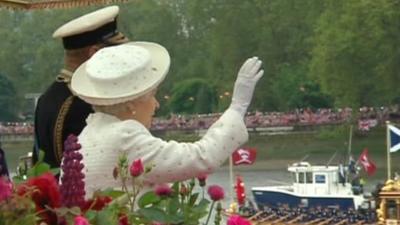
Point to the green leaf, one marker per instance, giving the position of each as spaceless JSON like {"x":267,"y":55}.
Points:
{"x":104,"y":217}
{"x":175,"y":187}
{"x":112,"y":193}
{"x":193,"y":199}
{"x":202,"y":206}
{"x":175,"y":218}
{"x":173,"y":205}
{"x":154,"y":214}
{"x":41,"y":156}
{"x":148,"y":199}
{"x":90,"y":215}
{"x":18,"y":180}
{"x":55,"y":171}
{"x":38,"y":169}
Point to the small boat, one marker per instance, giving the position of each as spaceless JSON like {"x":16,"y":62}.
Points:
{"x":313,"y":186}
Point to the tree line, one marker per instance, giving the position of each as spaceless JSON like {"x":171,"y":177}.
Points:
{"x":329,"y":53}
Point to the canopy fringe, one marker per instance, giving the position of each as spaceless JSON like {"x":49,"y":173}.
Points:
{"x":53,"y":4}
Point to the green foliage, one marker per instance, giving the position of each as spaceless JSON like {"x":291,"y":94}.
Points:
{"x":354,"y":52}
{"x":7,"y":99}
{"x":348,"y":49}
{"x":36,"y":170}
{"x":177,"y":208}
{"x":193,"y":96}
{"x":18,"y":211}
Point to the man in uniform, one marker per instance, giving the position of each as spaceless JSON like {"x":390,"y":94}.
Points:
{"x":59,"y":113}
{"x":3,"y":163}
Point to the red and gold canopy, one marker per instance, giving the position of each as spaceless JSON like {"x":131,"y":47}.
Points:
{"x":52,"y":4}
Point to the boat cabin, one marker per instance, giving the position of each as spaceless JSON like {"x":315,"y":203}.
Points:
{"x":318,"y":180}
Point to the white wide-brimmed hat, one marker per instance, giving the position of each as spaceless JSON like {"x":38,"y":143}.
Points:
{"x":121,"y":73}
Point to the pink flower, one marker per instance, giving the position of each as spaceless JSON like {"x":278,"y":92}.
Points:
{"x":80,"y":220}
{"x":163,"y":190}
{"x":202,"y":179}
{"x":136,"y":168}
{"x":237,"y":220}
{"x":5,"y":188}
{"x":216,"y":192}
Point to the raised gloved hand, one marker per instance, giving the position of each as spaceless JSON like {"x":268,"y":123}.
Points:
{"x":245,"y":83}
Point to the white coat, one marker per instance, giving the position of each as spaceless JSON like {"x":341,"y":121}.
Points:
{"x":105,"y":137}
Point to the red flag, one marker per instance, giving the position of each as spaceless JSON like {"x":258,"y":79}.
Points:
{"x":244,"y":156}
{"x":240,"y":192}
{"x":368,"y":165}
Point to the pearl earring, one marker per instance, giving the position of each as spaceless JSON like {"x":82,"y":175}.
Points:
{"x":133,"y":113}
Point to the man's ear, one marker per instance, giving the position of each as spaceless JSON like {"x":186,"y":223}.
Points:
{"x":93,"y":49}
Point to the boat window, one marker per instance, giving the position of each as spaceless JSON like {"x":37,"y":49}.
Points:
{"x":391,"y":209}
{"x":294,"y":177}
{"x":309,"y":177}
{"x":320,"y":179}
{"x":301,"y":178}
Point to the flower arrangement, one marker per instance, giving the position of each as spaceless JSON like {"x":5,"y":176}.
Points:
{"x":36,"y":197}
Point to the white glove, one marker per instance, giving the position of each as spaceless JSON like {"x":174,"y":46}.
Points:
{"x":245,"y":83}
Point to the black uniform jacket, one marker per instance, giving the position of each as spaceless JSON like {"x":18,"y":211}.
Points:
{"x":58,"y":114}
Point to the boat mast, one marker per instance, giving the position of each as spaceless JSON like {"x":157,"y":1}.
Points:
{"x":349,"y":151}
{"x":349,"y":145}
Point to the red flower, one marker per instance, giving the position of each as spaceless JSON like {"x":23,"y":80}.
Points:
{"x":216,"y":192}
{"x":123,"y":220}
{"x":98,"y":203}
{"x":237,"y":220}
{"x":136,"y":168}
{"x":46,"y":193}
{"x":5,"y":188}
{"x":80,"y":220}
{"x":163,"y":190}
{"x":202,"y":179}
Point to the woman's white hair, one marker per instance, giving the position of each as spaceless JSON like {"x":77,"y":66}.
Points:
{"x":119,"y":108}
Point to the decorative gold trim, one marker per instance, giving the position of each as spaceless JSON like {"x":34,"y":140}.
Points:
{"x":53,"y":4}
{"x":58,"y":129}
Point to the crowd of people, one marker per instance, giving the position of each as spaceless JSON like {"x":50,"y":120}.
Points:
{"x":368,"y":117}
{"x":302,"y":215}
{"x":16,"y":128}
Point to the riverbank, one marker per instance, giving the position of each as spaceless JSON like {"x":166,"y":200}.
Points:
{"x":276,"y":152}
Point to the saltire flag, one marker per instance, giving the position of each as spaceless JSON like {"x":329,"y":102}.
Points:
{"x":394,"y":133}
{"x":366,"y":162}
{"x":244,"y":156}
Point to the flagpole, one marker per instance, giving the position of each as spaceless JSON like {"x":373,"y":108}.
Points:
{"x":350,"y":139}
{"x":388,"y":144}
{"x":231,"y":178}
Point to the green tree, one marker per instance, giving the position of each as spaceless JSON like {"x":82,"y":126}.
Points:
{"x":355,"y":57}
{"x":193,"y":96}
{"x":7,"y":99}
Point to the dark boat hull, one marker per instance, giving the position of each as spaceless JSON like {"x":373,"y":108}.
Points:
{"x":274,"y":199}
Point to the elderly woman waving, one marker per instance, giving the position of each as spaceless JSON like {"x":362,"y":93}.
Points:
{"x":121,"y":83}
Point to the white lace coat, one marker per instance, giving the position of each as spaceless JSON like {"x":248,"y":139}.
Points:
{"x":105,"y":137}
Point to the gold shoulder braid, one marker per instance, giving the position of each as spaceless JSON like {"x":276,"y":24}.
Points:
{"x":58,"y":129}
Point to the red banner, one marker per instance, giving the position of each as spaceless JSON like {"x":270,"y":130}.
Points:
{"x":244,"y":156}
